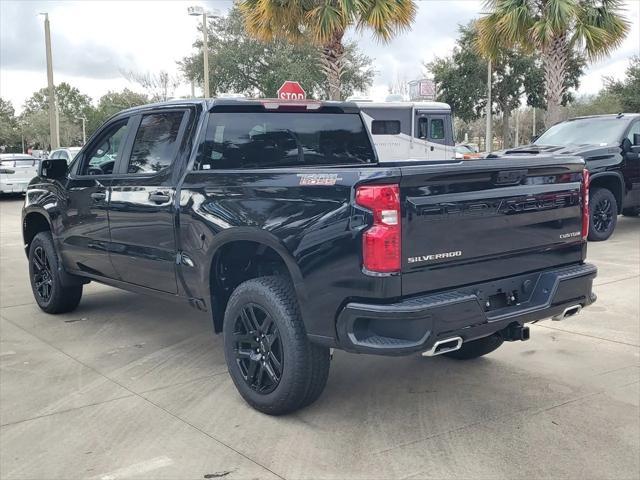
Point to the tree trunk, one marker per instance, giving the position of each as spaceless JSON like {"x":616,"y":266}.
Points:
{"x":554,"y":57}
{"x":332,"y":63}
{"x":506,"y":128}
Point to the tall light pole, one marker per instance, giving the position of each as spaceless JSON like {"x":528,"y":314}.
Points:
{"x":54,"y":129}
{"x":489,"y":141}
{"x":196,"y":12}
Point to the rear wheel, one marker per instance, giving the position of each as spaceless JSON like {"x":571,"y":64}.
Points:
{"x":604,"y":214}
{"x":271,"y":362}
{"x":45,"y":276}
{"x":477,"y":348}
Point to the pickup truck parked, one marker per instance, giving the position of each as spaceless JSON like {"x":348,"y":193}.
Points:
{"x":277,"y":219}
{"x":610,"y":145}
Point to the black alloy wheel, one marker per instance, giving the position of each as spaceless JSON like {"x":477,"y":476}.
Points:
{"x":602,"y":215}
{"x":258,"y":348}
{"x":42,"y":274}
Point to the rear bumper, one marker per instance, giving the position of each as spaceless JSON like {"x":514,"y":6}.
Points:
{"x":471,"y":312}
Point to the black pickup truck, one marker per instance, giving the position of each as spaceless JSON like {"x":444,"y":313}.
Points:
{"x":610,"y":146}
{"x":278,"y":219}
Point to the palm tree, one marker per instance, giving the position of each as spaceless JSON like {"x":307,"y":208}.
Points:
{"x":553,"y":28}
{"x":325,"y":23}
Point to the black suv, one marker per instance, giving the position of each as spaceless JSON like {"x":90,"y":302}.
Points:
{"x":610,"y":145}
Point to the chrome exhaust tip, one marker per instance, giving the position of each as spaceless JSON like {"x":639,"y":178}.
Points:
{"x":444,"y":346}
{"x":568,"y":312}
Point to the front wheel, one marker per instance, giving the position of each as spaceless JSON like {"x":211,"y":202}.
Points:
{"x":271,"y":362}
{"x":50,"y":293}
{"x":604,"y":214}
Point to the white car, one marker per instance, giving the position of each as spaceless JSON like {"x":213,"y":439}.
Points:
{"x":16,"y":170}
{"x":68,"y":153}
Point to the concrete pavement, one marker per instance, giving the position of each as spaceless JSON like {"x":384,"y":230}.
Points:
{"x":132,"y":387}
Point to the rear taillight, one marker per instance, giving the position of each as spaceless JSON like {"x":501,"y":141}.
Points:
{"x":381,"y":248}
{"x":7,"y":171}
{"x":585,"y":204}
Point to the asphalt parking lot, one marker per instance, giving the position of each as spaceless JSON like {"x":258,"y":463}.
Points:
{"x":132,"y":387}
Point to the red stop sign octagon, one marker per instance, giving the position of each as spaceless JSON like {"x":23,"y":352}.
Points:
{"x":291,"y":91}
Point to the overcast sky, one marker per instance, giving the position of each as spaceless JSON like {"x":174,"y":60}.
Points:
{"x":94,"y":41}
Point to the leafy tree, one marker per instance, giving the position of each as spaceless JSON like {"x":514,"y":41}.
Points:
{"x":603,"y":102}
{"x":9,"y":129}
{"x":325,"y":22}
{"x":553,"y":29}
{"x":71,"y":104}
{"x":627,"y":91}
{"x":110,"y":104}
{"x":69,"y":100}
{"x":243,"y":64}
{"x":462,"y":80}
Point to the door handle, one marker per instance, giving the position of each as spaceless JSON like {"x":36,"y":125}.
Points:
{"x":98,"y":196}
{"x":432,"y":148}
{"x":159,"y":197}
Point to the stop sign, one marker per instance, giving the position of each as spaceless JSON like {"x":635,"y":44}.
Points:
{"x":291,"y":91}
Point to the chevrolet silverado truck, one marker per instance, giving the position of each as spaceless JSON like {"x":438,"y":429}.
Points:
{"x":278,"y":219}
{"x":610,"y":146}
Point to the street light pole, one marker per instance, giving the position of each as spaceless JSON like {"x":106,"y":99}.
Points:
{"x":205,"y":53}
{"x":84,"y":131}
{"x":53,"y":121}
{"x":199,"y":11}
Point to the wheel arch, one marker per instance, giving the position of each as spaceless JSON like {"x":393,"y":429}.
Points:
{"x":259,"y":253}
{"x":611,"y":181}
{"x":34,"y":222}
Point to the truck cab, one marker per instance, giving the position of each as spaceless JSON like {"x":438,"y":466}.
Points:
{"x":410,"y":131}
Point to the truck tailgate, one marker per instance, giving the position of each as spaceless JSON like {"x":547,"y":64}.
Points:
{"x":488,"y":219}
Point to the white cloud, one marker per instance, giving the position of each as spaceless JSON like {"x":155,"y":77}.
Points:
{"x":94,"y":41}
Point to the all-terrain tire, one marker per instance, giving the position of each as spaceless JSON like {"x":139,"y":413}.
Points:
{"x":477,"y":348}
{"x":603,"y":214}
{"x":303,"y":366}
{"x":45,"y":276}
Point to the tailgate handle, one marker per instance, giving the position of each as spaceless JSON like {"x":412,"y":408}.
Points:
{"x":510,"y":177}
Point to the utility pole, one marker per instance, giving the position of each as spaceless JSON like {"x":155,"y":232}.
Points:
{"x":54,"y":129}
{"x":489,"y":140}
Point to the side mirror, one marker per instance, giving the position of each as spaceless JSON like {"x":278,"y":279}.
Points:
{"x":636,"y":139}
{"x":53,"y":168}
{"x":626,"y":145}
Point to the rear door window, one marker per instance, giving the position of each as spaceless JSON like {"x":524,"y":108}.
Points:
{"x":156,"y":142}
{"x":271,"y":140}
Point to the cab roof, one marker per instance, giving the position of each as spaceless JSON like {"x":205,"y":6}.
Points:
{"x":266,"y":104}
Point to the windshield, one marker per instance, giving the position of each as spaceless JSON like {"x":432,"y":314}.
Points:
{"x":264,"y":140}
{"x":593,"y":131}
